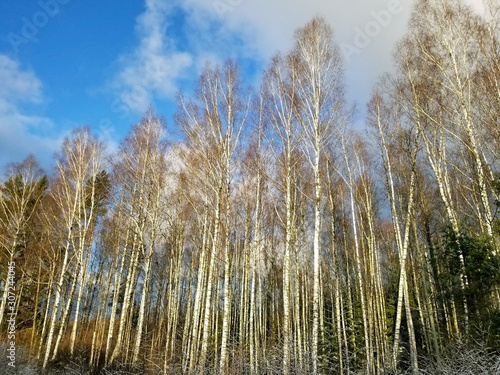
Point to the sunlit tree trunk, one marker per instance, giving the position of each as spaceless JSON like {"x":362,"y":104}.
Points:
{"x":320,"y":92}
{"x":337,"y":303}
{"x":95,"y":194}
{"x":198,"y":303}
{"x":279,"y":101}
{"x":79,"y":161}
{"x":213,"y":125}
{"x":359,"y":267}
{"x":117,"y":280}
{"x":402,"y":241}
{"x":140,"y":174}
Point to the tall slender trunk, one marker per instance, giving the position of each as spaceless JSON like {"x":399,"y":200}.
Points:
{"x":144,"y":294}
{"x":208,"y":295}
{"x":65,"y":314}
{"x":200,"y":287}
{"x":57,"y":298}
{"x":227,"y":269}
{"x":114,"y":306}
{"x":287,"y":273}
{"x":316,"y":257}
{"x":87,"y":232}
{"x":127,"y":299}
{"x":359,"y":267}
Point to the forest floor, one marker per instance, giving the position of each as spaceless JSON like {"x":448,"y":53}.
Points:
{"x":457,"y":360}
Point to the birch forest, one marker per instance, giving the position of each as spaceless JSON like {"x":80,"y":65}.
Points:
{"x":265,"y":230}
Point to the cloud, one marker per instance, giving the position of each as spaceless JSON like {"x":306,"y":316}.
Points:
{"x":366,"y":30}
{"x":17,"y":85}
{"x":22,"y":133}
{"x":257,"y":29}
{"x":154,"y":66}
{"x":253,"y":30}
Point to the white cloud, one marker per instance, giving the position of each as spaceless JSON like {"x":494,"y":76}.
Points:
{"x":154,"y":66}
{"x":257,"y":29}
{"x":17,"y":136}
{"x":17,"y":85}
{"x":254,"y":29}
{"x":367,"y":31}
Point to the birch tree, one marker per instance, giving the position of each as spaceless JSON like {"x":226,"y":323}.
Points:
{"x":213,"y":124}
{"x":79,"y":161}
{"x":388,"y":123}
{"x":140,"y":175}
{"x":280,"y":101}
{"x":446,"y":41}
{"x":321,"y":96}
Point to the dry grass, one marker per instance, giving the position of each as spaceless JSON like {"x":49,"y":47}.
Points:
{"x":458,"y":359}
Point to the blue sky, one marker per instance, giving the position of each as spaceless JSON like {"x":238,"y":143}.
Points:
{"x":68,"y":63}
